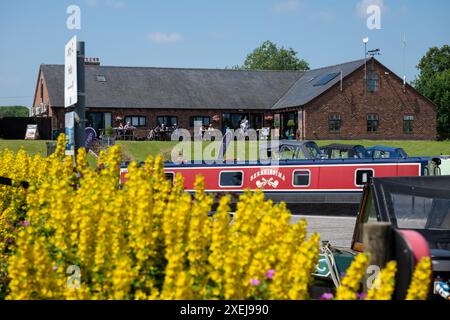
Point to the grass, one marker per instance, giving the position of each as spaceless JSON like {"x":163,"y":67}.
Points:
{"x":139,"y":150}
{"x":31,"y":146}
{"x":34,"y":147}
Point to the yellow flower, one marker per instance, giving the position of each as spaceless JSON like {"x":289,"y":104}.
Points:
{"x":384,"y":284}
{"x":420,"y":283}
{"x":352,"y":280}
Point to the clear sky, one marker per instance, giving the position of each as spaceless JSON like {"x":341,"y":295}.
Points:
{"x":211,"y":33}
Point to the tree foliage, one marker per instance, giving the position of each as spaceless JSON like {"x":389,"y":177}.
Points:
{"x":434,"y":83}
{"x":270,"y":57}
{"x":14,"y":111}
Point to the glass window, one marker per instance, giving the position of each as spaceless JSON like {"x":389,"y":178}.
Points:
{"x":136,"y":121}
{"x":301,"y":178}
{"x":408,"y":123}
{"x":168,"y":121}
{"x":107,"y":119}
{"x":372,"y":81}
{"x":334,"y":122}
{"x":255,"y":121}
{"x":204,"y":120}
{"x":372,"y":123}
{"x":101,"y":78}
{"x":362,"y":176}
{"x":417,"y":212}
{"x":169,"y":176}
{"x":231,"y":179}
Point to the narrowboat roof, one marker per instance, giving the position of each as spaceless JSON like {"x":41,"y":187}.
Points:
{"x":384,"y":148}
{"x":341,"y":146}
{"x":368,"y":161}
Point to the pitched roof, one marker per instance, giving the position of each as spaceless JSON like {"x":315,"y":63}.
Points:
{"x":136,"y":87}
{"x":306,"y":89}
{"x":142,"y":87}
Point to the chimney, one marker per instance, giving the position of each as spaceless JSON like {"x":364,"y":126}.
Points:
{"x":92,"y":61}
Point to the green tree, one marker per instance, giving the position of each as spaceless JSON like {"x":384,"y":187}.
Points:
{"x":270,"y":57}
{"x":14,"y":111}
{"x":434,"y":83}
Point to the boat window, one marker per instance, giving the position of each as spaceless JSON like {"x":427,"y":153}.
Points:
{"x":231,"y":179}
{"x":170,"y":176}
{"x":313,"y":150}
{"x":416,"y":212}
{"x":361,"y":152}
{"x":369,"y":215}
{"x":301,"y":178}
{"x":362,"y":176}
{"x":286,"y":153}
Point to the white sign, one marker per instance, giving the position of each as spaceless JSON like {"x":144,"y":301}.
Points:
{"x":70,"y":133}
{"x":31,"y":133}
{"x":70,"y":73}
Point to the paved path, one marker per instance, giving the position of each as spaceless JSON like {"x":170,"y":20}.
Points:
{"x":337,"y":230}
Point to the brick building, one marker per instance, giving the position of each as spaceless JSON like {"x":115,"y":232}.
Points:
{"x":333,"y":102}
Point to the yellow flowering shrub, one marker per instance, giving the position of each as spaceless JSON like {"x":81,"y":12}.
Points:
{"x":384,"y":285}
{"x":420,"y":283}
{"x":351,"y":282}
{"x":76,"y":233}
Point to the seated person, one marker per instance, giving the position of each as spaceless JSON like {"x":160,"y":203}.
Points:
{"x":128,"y":129}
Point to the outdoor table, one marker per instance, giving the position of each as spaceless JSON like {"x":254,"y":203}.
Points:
{"x":121,"y":133}
{"x":163,"y":135}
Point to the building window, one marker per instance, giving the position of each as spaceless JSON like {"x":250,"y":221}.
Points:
{"x":408,"y":124}
{"x":334,"y":122}
{"x":372,"y":81}
{"x":372,"y":123}
{"x":136,"y":121}
{"x":168,"y":121}
{"x":205,"y":121}
{"x":42,"y":91}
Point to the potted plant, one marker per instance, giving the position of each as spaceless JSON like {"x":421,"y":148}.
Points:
{"x":108,"y":138}
{"x":276,"y":126}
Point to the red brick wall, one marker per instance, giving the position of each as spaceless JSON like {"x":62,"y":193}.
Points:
{"x":151,"y":116}
{"x":354,"y":103}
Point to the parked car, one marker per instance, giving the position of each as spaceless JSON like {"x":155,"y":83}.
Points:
{"x":386,"y":152}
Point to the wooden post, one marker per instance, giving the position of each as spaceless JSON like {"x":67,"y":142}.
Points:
{"x":377,"y":239}
{"x":377,"y":242}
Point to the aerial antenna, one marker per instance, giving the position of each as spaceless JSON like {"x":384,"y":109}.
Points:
{"x":374,"y":52}
{"x":404,"y":59}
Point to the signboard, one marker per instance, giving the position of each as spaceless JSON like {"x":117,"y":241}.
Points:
{"x":90,"y":135}
{"x":70,"y":133}
{"x":31,"y":133}
{"x":70,"y":73}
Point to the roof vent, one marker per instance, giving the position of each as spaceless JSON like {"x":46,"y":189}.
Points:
{"x":92,"y":61}
{"x":101,"y":78}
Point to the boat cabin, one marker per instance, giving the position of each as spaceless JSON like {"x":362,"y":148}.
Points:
{"x":386,"y":152}
{"x":344,"y":151}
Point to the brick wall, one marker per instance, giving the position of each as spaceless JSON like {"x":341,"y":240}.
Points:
{"x":354,"y":103}
{"x":183,"y":116}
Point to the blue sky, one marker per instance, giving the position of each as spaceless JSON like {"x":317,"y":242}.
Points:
{"x":210,"y":33}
